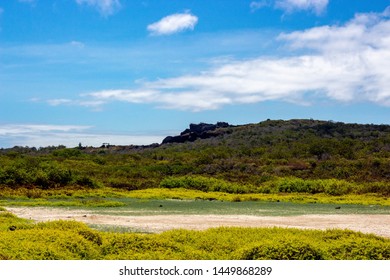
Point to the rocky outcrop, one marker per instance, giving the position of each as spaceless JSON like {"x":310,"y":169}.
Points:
{"x":198,"y":131}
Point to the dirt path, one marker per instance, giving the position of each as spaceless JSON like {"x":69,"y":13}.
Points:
{"x":376,"y":224}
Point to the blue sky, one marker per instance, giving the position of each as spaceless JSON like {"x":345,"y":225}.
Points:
{"x":135,"y":71}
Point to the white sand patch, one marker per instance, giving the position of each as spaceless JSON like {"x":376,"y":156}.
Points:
{"x":375,"y":224}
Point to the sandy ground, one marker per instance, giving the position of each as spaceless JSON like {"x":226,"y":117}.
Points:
{"x":376,"y":224}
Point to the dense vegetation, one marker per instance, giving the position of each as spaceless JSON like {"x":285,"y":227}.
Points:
{"x":297,"y":156}
{"x":296,"y":161}
{"x":20,"y":239}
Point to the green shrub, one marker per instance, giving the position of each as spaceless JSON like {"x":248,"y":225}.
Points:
{"x":86,"y":182}
{"x":382,"y":188}
{"x":67,"y":153}
{"x":14,"y":176}
{"x":205,"y":184}
{"x":297,"y":185}
{"x":282,"y":250}
{"x":38,"y":244}
{"x":66,"y":240}
{"x":359,"y":249}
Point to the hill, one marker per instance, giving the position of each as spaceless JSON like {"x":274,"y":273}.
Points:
{"x":270,"y":156}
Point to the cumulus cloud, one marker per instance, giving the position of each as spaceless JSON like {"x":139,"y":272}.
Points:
{"x":343,"y":63}
{"x":105,"y":7}
{"x":173,"y":24}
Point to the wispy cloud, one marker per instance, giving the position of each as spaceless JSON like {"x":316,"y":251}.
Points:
{"x":256,"y":5}
{"x":33,"y":135}
{"x":173,"y":24}
{"x":290,"y":6}
{"x":105,"y":7}
{"x":17,"y":129}
{"x":77,"y":44}
{"x":343,"y":63}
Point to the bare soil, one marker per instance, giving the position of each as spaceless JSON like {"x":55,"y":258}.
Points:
{"x":375,"y":224}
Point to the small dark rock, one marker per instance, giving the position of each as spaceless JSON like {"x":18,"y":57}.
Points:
{"x":12,"y":228}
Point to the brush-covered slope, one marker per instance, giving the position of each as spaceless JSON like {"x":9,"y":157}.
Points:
{"x":251,"y":155}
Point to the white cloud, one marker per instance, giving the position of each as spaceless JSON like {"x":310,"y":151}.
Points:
{"x":290,"y":6}
{"x":77,"y":44}
{"x":68,"y":135}
{"x":105,"y":7}
{"x":316,"y":6}
{"x":59,"y":101}
{"x":173,"y":24}
{"x":17,"y":129}
{"x":345,"y":63}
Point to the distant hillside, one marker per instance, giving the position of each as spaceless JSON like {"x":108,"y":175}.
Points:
{"x":302,"y":148}
{"x":320,"y":138}
{"x":252,"y":155}
{"x":267,"y":132}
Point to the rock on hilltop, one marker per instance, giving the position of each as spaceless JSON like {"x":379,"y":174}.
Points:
{"x":197,"y":131}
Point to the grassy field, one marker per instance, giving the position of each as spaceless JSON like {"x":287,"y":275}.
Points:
{"x":111,"y":197}
{"x":134,"y":206}
{"x":21,"y":239}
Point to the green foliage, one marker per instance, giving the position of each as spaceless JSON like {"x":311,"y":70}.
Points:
{"x":67,"y":153}
{"x":67,"y":240}
{"x":328,"y":186}
{"x":271,"y":157}
{"x":204,"y":184}
{"x":50,"y":242}
{"x":42,"y":173}
{"x":296,"y":161}
{"x":14,"y":176}
{"x":293,"y":249}
{"x":86,"y":182}
{"x":51,"y":175}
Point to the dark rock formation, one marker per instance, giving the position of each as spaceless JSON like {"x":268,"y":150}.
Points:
{"x":197,"y":131}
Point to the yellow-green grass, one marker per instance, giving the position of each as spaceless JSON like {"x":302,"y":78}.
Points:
{"x":100,"y":197}
{"x":64,"y":240}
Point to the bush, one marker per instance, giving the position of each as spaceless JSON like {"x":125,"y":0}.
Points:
{"x":14,"y":176}
{"x":86,"y":182}
{"x":67,"y":153}
{"x":282,"y":250}
{"x":297,"y":185}
{"x":51,"y":175}
{"x":358,"y":248}
{"x":205,"y":184}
